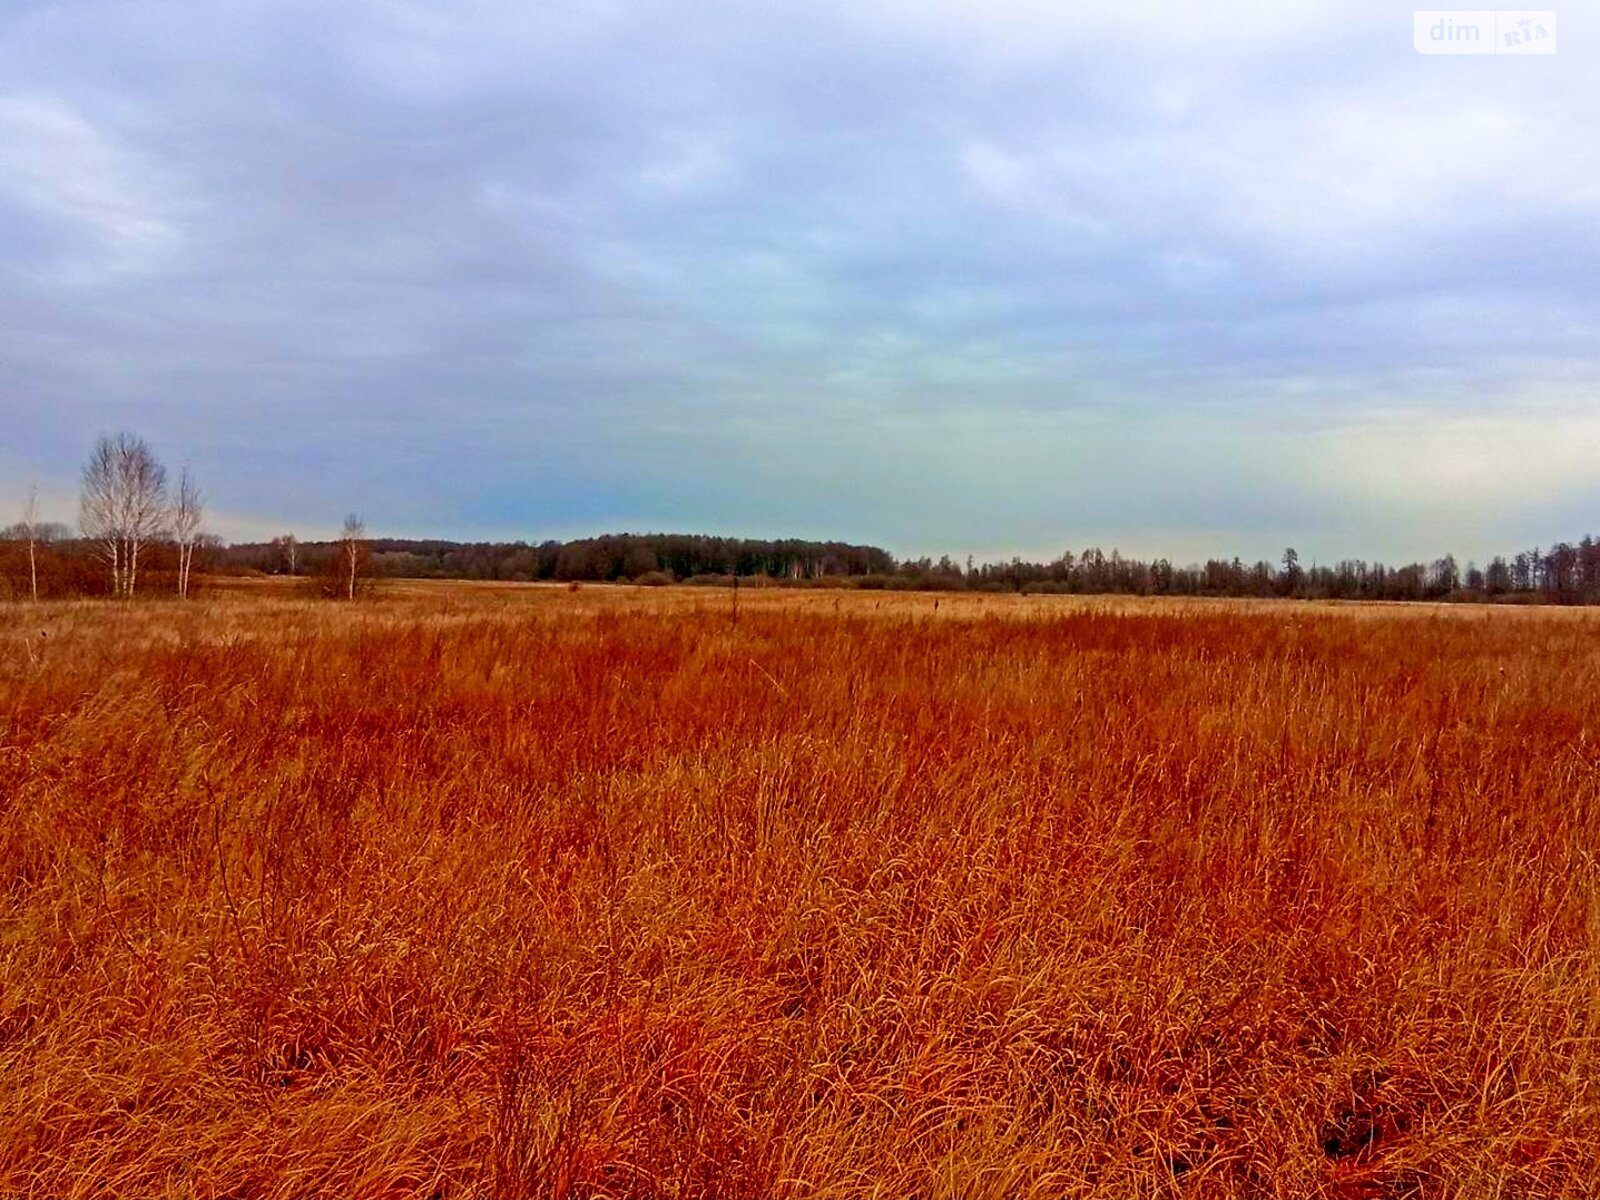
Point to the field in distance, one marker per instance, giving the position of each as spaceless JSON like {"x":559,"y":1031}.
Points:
{"x":511,"y":890}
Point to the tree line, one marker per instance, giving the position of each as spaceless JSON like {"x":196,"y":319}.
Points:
{"x":133,"y":527}
{"x":1565,"y":573}
{"x":651,"y":557}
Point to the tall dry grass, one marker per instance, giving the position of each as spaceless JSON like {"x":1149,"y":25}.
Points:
{"x":522,"y":892}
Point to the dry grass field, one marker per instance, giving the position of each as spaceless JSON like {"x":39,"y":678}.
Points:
{"x":525,"y":892}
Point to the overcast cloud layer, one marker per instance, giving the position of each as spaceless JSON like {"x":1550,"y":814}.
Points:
{"x":936,"y":275}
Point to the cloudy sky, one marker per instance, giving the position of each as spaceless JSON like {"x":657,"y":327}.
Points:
{"x":1018,"y":275}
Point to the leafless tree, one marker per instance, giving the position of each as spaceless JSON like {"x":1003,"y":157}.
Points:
{"x":30,"y":524}
{"x":122,"y":504}
{"x":187,"y":512}
{"x":352,"y":552}
{"x":288,"y":547}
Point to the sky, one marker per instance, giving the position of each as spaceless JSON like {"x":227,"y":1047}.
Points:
{"x":971,"y":278}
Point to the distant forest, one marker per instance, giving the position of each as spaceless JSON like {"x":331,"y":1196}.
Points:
{"x":1565,"y":573}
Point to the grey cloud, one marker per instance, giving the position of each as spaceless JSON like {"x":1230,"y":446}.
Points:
{"x":888,"y":272}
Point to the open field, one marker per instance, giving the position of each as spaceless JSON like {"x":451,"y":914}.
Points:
{"x":501,"y":891}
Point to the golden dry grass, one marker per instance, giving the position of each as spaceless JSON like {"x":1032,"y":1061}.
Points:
{"x":509,"y":891}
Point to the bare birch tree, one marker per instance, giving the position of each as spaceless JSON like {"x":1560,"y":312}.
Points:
{"x":122,"y":504}
{"x":352,"y":552}
{"x":187,"y":513}
{"x":30,"y":525}
{"x":288,"y":548}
